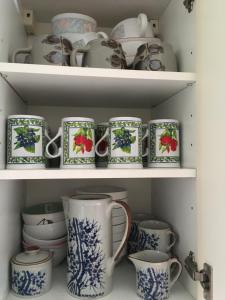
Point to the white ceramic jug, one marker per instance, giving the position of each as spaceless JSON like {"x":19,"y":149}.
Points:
{"x":90,"y":260}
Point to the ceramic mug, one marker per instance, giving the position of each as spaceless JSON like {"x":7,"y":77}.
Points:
{"x":125,"y":143}
{"x":101,"y":162}
{"x":155,"y":273}
{"x":100,"y":53}
{"x":48,"y":50}
{"x":26,"y":139}
{"x":77,"y":143}
{"x":133,"y":27}
{"x":155,"y":235}
{"x":155,"y":56}
{"x":164,"y":144}
{"x":145,"y":145}
{"x":73,"y":23}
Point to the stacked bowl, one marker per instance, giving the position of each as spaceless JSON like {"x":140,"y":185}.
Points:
{"x":118,"y":216}
{"x":79,"y":29}
{"x":45,"y":227}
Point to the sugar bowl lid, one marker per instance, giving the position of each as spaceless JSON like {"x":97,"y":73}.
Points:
{"x":32,"y":256}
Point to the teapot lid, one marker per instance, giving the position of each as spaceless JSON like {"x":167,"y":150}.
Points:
{"x":117,"y":193}
{"x":32,"y":256}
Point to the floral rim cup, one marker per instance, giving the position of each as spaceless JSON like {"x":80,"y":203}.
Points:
{"x":77,"y":143}
{"x":155,"y":274}
{"x":125,"y":143}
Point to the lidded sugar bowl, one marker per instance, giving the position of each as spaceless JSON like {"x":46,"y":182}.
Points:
{"x":31,"y":272}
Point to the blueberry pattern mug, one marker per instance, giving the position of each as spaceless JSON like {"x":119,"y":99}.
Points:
{"x":26,"y":139}
{"x":125,"y":143}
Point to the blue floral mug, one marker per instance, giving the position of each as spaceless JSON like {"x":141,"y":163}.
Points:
{"x":155,"y":274}
{"x":155,"y":235}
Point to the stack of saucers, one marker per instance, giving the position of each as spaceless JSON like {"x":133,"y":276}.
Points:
{"x":118,"y":216}
{"x":44,"y":226}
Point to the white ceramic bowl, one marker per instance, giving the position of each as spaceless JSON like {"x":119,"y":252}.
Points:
{"x":73,"y":23}
{"x":58,"y":252}
{"x":43,"y":243}
{"x":118,"y":220}
{"x":44,"y":213}
{"x":46,"y":232}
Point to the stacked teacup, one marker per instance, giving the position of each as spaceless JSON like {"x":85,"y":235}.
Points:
{"x":79,"y":29}
{"x":44,"y":226}
{"x":118,"y":216}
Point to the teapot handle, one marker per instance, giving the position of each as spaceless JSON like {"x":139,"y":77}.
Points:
{"x":127,"y":212}
{"x":73,"y":56}
{"x":143,"y":21}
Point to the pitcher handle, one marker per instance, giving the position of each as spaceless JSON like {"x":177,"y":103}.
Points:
{"x":20,"y":51}
{"x":97,"y":144}
{"x":47,"y":153}
{"x":143,"y":20}
{"x":145,"y":137}
{"x":124,"y":240}
{"x":175,"y":274}
{"x":174,"y":239}
{"x":73,"y":56}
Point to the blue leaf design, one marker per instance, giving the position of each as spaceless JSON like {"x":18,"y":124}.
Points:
{"x":85,"y":258}
{"x":148,"y":241}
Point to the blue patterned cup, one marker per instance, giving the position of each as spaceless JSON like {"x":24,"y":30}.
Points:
{"x":155,"y":235}
{"x":155,"y":274}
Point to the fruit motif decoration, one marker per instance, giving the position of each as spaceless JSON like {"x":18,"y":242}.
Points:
{"x":123,"y":139}
{"x":82,"y":141}
{"x":26,"y":138}
{"x":168,"y":141}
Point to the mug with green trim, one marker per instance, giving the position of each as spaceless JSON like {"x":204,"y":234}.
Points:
{"x":164,"y":144}
{"x":125,"y":143}
{"x":26,"y":139}
{"x":77,"y":143}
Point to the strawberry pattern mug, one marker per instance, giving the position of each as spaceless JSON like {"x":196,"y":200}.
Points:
{"x":77,"y":143}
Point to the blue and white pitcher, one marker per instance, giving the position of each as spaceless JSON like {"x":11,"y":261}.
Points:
{"x":90,"y":260}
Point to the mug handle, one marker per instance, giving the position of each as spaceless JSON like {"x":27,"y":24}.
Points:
{"x":20,"y":51}
{"x":126,"y":209}
{"x":59,"y":152}
{"x":175,"y":274}
{"x":97,"y":144}
{"x":103,"y":35}
{"x":174,"y":239}
{"x":143,"y":21}
{"x":54,"y":146}
{"x":145,"y":137}
{"x":73,"y":58}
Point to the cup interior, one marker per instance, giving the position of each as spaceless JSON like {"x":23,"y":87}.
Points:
{"x":151,"y":256}
{"x":153,"y":224}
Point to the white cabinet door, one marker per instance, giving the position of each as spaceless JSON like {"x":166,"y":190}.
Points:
{"x":211,"y":139}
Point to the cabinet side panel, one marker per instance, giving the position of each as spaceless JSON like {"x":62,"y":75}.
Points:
{"x":12,"y":33}
{"x":12,"y":198}
{"x":177,"y":27}
{"x":174,"y":200}
{"x":10,"y":103}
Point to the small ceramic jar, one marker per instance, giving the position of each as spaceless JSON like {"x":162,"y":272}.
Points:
{"x":31,"y":272}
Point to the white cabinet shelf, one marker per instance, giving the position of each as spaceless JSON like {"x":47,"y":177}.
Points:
{"x":75,"y":86}
{"x":96,"y":173}
{"x":107,"y":13}
{"x":124,"y":286}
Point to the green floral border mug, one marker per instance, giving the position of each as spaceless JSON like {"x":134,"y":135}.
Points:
{"x":77,"y":143}
{"x":125,"y":143}
{"x":26,"y":139}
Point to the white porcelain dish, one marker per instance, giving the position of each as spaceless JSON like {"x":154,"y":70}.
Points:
{"x":44,"y":213}
{"x":47,"y":231}
{"x":43,"y":243}
{"x":73,"y":23}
